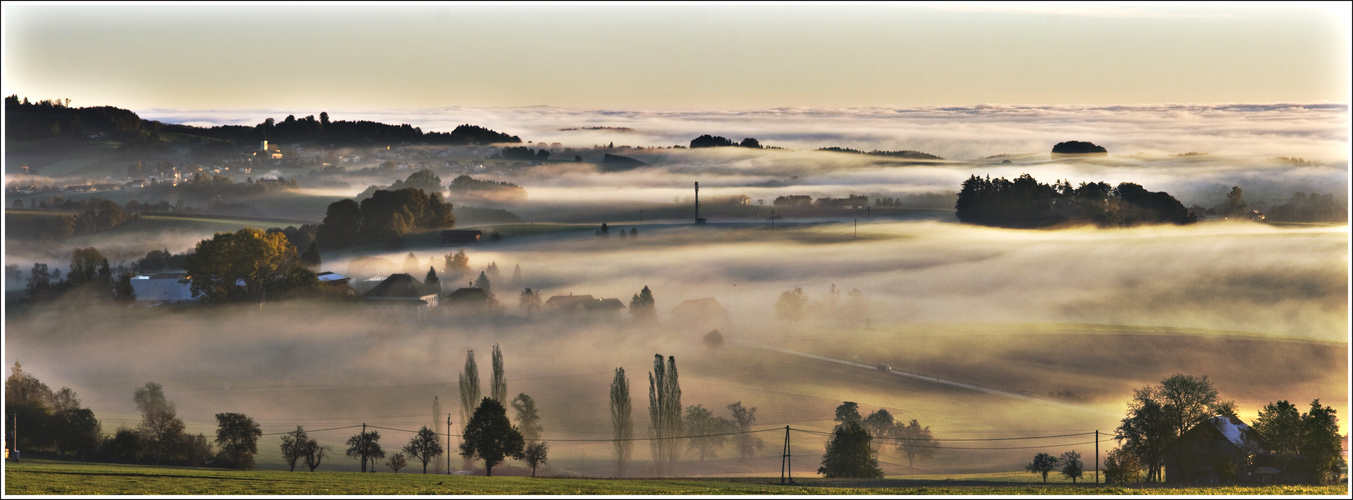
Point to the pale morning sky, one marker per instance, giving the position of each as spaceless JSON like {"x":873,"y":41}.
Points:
{"x":673,"y":56}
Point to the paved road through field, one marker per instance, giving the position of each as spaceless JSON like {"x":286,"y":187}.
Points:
{"x":925,"y":378}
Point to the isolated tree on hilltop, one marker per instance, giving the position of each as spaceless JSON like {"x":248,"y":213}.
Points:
{"x":490,"y":436}
{"x":621,"y":424}
{"x":643,"y":308}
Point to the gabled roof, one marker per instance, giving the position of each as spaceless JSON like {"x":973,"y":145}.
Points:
{"x":700,"y":308}
{"x":1232,"y":429}
{"x":398,"y":287}
{"x":468,"y":296}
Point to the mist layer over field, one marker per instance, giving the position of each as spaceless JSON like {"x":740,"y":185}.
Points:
{"x":999,"y":308}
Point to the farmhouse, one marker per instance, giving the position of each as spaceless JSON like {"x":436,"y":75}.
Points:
{"x":1219,"y":450}
{"x":460,"y":236}
{"x":401,"y":294}
{"x":470,"y":301}
{"x":795,"y":200}
{"x":854,"y":202}
{"x":163,"y":288}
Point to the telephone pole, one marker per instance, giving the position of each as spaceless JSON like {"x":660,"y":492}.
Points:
{"x":785,"y":466}
{"x":448,"y":444}
{"x":1096,"y":456}
{"x":363,"y":442}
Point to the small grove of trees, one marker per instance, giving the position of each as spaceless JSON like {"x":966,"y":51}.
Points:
{"x":795,"y":305}
{"x":1026,"y":203}
{"x":385,"y":216}
{"x":848,"y":452}
{"x":90,"y":278}
{"x":1313,"y":435}
{"x":490,"y":436}
{"x":1122,"y":467}
{"x":643,"y":308}
{"x":53,"y":420}
{"x":247,"y":265}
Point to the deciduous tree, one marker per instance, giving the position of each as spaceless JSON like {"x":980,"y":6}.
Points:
{"x":498,"y":384}
{"x":914,"y":441}
{"x":743,"y":418}
{"x":425,"y":446}
{"x":622,"y":425}
{"x":1071,"y":465}
{"x":397,"y":462}
{"x":365,"y":446}
{"x":536,"y":454}
{"x":1042,"y":464}
{"x":528,"y":417}
{"x":664,"y":413}
{"x":643,"y":308}
{"x":490,"y":436}
{"x":848,"y":453}
{"x":237,"y":435}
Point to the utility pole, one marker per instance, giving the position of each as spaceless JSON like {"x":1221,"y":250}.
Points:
{"x":1096,"y":456}
{"x":363,"y":443}
{"x":16,"y":437}
{"x":784,"y":461}
{"x":448,"y":444}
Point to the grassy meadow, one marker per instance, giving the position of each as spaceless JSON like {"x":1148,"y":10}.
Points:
{"x":39,"y":477}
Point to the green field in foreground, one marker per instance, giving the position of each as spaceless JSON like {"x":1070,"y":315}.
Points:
{"x":40,"y":477}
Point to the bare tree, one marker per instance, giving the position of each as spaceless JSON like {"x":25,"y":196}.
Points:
{"x":397,"y":462}
{"x":425,"y":446}
{"x":536,"y":454}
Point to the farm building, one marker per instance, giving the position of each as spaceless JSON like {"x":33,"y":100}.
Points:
{"x":1219,"y":450}
{"x":163,"y":287}
{"x":854,"y":202}
{"x":470,"y":301}
{"x":401,"y":294}
{"x":460,"y":236}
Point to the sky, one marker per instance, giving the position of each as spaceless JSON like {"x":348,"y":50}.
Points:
{"x":673,"y":56}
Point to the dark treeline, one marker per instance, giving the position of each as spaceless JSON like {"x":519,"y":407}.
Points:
{"x":907,"y":154}
{"x":55,"y":118}
{"x":1311,"y":208}
{"x":465,"y":184}
{"x":95,"y":214}
{"x":714,"y":141}
{"x":385,"y":216}
{"x":1026,"y":203}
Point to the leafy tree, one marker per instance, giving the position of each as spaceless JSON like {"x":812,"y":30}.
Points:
{"x":425,"y":446}
{"x":1235,"y":202}
{"x":498,"y":384}
{"x":311,"y":257}
{"x":621,"y":424}
{"x":1321,"y":444}
{"x":341,"y":226}
{"x":457,"y":266}
{"x":848,"y":412}
{"x":160,"y":428}
{"x":528,"y":417}
{"x":397,"y":462}
{"x":529,"y":301}
{"x":880,"y":425}
{"x":643,"y":308}
{"x":1280,"y":427}
{"x":366,"y":447}
{"x":708,"y":433}
{"x":314,"y":454}
{"x":536,"y":454}
{"x":123,"y":291}
{"x":664,"y":413}
{"x":791,"y":305}
{"x":490,"y":436}
{"x":22,"y":387}
{"x":265,"y":263}
{"x":294,"y":447}
{"x":469,"y":388}
{"x":1071,"y":466}
{"x":237,"y":435}
{"x":1042,"y":464}
{"x":1122,"y":467}
{"x":848,"y":453}
{"x":88,"y":266}
{"x":915,"y":442}
{"x":743,"y":418}
{"x":77,"y":431}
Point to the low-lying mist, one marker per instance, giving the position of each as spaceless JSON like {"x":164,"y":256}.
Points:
{"x":979,"y":305}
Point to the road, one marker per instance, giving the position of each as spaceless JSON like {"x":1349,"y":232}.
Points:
{"x":925,"y":378}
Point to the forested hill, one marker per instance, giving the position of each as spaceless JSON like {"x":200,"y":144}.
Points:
{"x":51,"y":118}
{"x":1027,"y":203}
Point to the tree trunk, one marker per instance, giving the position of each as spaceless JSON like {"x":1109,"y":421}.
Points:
{"x":488,"y":469}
